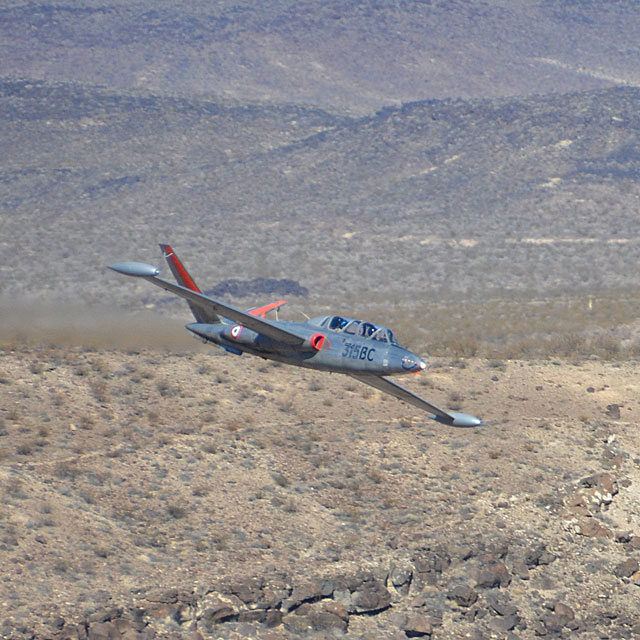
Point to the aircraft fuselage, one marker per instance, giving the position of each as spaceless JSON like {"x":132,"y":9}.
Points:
{"x":323,"y":350}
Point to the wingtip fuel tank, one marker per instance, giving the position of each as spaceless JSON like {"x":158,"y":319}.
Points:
{"x":459,"y":420}
{"x":135,"y":269}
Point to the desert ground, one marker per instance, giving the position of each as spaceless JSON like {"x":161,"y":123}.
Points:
{"x":183,"y":492}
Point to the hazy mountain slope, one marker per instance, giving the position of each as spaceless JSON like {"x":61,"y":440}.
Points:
{"x":435,"y":198}
{"x":338,"y":54}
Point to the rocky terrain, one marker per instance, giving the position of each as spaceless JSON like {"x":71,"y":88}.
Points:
{"x":184,"y":493}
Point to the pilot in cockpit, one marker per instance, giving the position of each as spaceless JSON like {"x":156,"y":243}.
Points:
{"x":367,"y":330}
{"x":337,"y":323}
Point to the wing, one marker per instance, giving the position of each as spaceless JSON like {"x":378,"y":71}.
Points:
{"x":265,"y":327}
{"x":452,"y":418}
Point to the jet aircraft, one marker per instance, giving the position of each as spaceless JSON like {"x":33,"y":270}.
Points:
{"x":363,"y":350}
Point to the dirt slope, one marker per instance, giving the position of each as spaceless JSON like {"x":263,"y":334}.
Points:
{"x":142,"y":493}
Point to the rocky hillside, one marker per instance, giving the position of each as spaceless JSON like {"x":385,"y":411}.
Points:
{"x":184,"y":494}
{"x":356,"y":56}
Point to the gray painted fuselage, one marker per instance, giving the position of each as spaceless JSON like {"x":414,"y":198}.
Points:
{"x":340,"y":352}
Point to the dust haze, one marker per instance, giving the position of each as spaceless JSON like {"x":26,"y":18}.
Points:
{"x":33,"y":323}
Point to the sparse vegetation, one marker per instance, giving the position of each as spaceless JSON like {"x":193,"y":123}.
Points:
{"x":481,"y":230}
{"x":166,"y":495}
{"x":176,"y":510}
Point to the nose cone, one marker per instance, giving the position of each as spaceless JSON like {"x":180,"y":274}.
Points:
{"x":403,"y":361}
{"x":412,"y":362}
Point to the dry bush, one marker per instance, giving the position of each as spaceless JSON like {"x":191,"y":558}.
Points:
{"x":36,"y":367}
{"x":167,"y":389}
{"x":529,"y":327}
{"x":286,"y":406}
{"x":280,"y":479}
{"x":290,"y":506}
{"x":455,"y":400}
{"x":210,"y":446}
{"x":176,"y":510}
{"x":86,"y":422}
{"x":67,"y":469}
{"x":375,"y":475}
{"x":24,"y":449}
{"x":100,"y":391}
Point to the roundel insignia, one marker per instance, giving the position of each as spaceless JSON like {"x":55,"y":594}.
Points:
{"x":235,"y":331}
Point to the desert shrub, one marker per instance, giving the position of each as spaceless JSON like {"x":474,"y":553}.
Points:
{"x":455,"y":400}
{"x":100,"y":391}
{"x":290,"y":506}
{"x":280,"y":479}
{"x":210,"y":446}
{"x":176,"y":510}
{"x":67,"y":469}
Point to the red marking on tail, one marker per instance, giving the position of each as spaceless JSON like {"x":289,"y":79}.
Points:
{"x":178,"y":269}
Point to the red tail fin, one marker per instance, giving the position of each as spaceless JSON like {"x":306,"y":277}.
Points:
{"x":183,"y":278}
{"x":178,"y":270}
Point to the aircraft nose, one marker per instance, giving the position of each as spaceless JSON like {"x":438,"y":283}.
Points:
{"x":413,"y":363}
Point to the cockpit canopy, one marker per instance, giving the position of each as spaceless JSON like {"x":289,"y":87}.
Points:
{"x":353,"y":327}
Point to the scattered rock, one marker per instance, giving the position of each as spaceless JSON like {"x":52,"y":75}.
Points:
{"x":103,"y":631}
{"x":463,"y":595}
{"x":502,"y":607}
{"x":418,"y":627}
{"x":371,"y":596}
{"x":430,"y":563}
{"x":553,"y":622}
{"x":537,"y":556}
{"x":626,"y":568}
{"x":217,"y":608}
{"x":496,"y":575}
{"x":521,"y":570}
{"x":596,"y":492}
{"x":401,"y":577}
{"x":311,"y":591}
{"x":613,"y":411}
{"x":591,"y":528}
{"x":329,"y":616}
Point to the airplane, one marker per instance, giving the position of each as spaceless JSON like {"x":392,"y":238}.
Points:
{"x":363,"y":350}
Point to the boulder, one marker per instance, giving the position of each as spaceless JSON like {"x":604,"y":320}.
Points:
{"x":463,"y":595}
{"x":627,"y":568}
{"x":103,"y":631}
{"x":401,"y":577}
{"x":495,"y":575}
{"x":371,"y":596}
{"x":591,"y":528}
{"x":417,"y":626}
